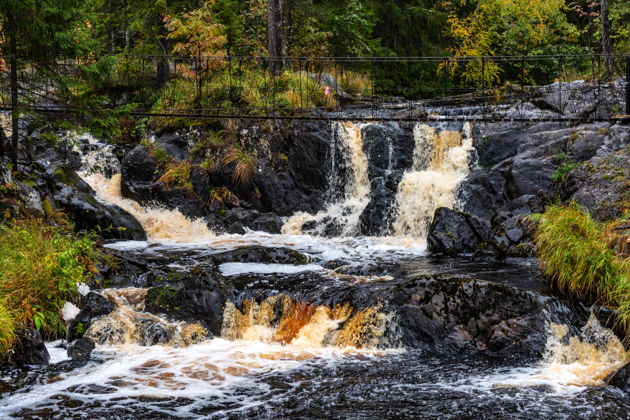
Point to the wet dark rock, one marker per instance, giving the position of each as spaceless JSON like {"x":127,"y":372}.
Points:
{"x":262,"y":254}
{"x":270,"y":223}
{"x":621,"y":379}
{"x":174,"y":143}
{"x":30,"y":348}
{"x":200,"y":297}
{"x":376,"y":218}
{"x":453,"y":232}
{"x":94,"y":306}
{"x":81,"y":349}
{"x":78,"y":200}
{"x":139,"y":172}
{"x":437,"y":313}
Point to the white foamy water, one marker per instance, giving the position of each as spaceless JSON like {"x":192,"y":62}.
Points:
{"x":217,"y":372}
{"x":233,"y":269}
{"x":159,"y":223}
{"x":440,"y":164}
{"x":569,"y":365}
{"x":56,"y":351}
{"x":352,"y":250}
{"x":345,"y":212}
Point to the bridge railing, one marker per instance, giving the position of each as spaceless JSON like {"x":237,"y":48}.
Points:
{"x":322,"y":87}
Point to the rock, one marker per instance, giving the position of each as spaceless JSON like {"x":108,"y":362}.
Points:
{"x":621,"y":379}
{"x":81,"y":349}
{"x":111,"y":222}
{"x":95,"y":305}
{"x":174,"y":144}
{"x":263,"y":255}
{"x":376,"y":218}
{"x":269,"y":222}
{"x":453,"y":232}
{"x":139,"y":172}
{"x":514,"y":235}
{"x":30,"y":348}
{"x":78,"y":200}
{"x":198,"y":298}
{"x":601,"y":185}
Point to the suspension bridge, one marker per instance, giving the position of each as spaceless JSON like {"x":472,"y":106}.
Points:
{"x":559,"y":88}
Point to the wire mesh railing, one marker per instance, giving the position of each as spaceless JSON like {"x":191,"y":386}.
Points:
{"x":566,"y":87}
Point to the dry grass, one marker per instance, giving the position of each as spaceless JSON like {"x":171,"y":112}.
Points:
{"x":224,"y":196}
{"x":244,"y":164}
{"x":356,"y":83}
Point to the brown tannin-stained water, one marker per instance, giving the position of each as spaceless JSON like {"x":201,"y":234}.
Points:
{"x":323,"y":339}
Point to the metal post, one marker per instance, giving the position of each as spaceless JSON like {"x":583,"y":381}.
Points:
{"x":627,"y":86}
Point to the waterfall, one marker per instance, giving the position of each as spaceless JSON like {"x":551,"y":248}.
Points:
{"x":440,"y":164}
{"x":281,"y":319}
{"x":159,"y":223}
{"x":101,"y":170}
{"x":345,"y":211}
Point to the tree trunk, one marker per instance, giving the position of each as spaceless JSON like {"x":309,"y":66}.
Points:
{"x":15,"y":113}
{"x":274,"y":37}
{"x":285,"y":9}
{"x":162,"y":65}
{"x":606,"y":48}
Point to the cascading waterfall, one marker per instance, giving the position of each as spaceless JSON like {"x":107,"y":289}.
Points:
{"x":440,"y":164}
{"x":101,"y":170}
{"x":159,"y":223}
{"x":345,"y":211}
{"x":585,"y":359}
{"x":280,"y":319}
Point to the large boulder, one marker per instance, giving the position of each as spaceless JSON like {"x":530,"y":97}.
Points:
{"x":453,"y":232}
{"x":94,"y":306}
{"x":199,"y":297}
{"x":30,"y":348}
{"x":139,"y":172}
{"x":78,"y":200}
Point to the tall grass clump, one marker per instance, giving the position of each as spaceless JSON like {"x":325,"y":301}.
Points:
{"x":244,"y":164}
{"x":577,"y":257}
{"x":40,"y":268}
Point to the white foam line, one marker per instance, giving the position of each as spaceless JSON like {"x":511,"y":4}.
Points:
{"x":233,"y":269}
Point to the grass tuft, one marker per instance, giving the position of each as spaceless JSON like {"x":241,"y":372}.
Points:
{"x":576,"y":255}
{"x":244,"y":164}
{"x":178,"y":175}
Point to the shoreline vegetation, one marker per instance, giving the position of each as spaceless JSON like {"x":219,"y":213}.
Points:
{"x":586,"y":258}
{"x":41,"y":267}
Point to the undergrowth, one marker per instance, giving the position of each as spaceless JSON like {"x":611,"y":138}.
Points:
{"x":40,"y":268}
{"x":586,"y":258}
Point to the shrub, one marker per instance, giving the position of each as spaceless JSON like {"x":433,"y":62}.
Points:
{"x":566,"y":166}
{"x":40,"y":268}
{"x":575,"y":255}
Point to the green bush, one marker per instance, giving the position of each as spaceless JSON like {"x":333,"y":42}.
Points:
{"x":40,"y":268}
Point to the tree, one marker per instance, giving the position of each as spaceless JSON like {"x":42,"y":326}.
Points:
{"x":35,"y":32}
{"x":507,"y":27}
{"x":606,"y":48}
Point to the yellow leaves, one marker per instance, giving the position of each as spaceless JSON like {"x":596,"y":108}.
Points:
{"x":197,"y":33}
{"x":505,"y":27}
